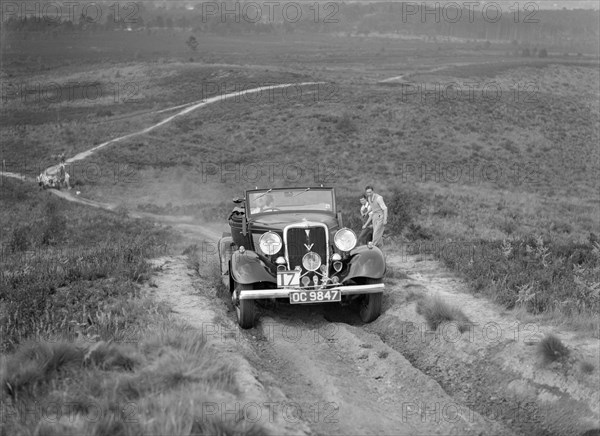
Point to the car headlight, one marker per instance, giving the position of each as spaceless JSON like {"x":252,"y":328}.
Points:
{"x":345,"y":239}
{"x":311,"y":261}
{"x":270,"y":243}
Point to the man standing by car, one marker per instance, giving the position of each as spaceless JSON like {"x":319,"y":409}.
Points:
{"x":380,"y":215}
{"x":366,"y":233}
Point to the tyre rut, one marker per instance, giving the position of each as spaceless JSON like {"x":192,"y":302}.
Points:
{"x":341,"y":379}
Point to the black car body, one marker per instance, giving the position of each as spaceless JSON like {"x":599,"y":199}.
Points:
{"x":290,"y":243}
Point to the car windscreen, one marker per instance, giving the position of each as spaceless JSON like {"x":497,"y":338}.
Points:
{"x":290,"y":200}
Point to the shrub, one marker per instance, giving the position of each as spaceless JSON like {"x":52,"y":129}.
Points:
{"x":35,"y":364}
{"x":551,"y":349}
{"x":587,"y":367}
{"x":403,"y":207}
{"x":436,"y":312}
{"x":531,"y":272}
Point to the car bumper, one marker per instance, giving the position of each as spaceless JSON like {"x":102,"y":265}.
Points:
{"x":255,"y":294}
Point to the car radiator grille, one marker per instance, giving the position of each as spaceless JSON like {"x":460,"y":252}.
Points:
{"x":299,"y":239}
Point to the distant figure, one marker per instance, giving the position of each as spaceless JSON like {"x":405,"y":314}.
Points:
{"x":63,"y":176}
{"x":380,"y":215}
{"x":67,"y":184}
{"x":366,"y":215}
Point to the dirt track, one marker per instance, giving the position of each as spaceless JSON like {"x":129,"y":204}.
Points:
{"x":322,"y":377}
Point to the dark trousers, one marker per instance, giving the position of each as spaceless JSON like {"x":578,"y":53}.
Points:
{"x":366,"y":235}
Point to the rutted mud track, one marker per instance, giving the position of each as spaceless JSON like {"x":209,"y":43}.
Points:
{"x":333,"y":378}
{"x":349,"y":382}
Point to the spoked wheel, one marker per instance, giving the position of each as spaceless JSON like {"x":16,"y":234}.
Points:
{"x":370,"y":305}
{"x":245,"y":310}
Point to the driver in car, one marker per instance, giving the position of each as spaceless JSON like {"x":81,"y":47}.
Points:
{"x":263,"y":204}
{"x":269,"y":203}
{"x":258,"y":205}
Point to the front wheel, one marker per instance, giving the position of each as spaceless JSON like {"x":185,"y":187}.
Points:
{"x":245,"y":310}
{"x":370,"y":306}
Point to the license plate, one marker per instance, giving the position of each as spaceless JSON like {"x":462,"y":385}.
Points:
{"x":323,"y":296}
{"x":288,"y":278}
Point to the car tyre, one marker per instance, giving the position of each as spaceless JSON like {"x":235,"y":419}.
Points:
{"x":245,"y":310}
{"x":370,"y":305}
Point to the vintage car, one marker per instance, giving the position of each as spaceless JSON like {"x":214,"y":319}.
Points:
{"x":290,"y":243}
{"x":46,"y":180}
{"x":53,"y":177}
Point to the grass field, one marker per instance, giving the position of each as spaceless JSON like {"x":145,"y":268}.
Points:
{"x":504,"y":190}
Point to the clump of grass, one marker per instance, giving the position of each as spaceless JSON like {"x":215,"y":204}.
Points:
{"x":190,"y":249}
{"x":346,"y":124}
{"x":35,"y":364}
{"x":393,"y":273}
{"x":382,"y":354}
{"x":179,"y":336}
{"x":107,"y":356}
{"x":414,"y":294}
{"x":550,"y":349}
{"x":586,"y":367}
{"x":436,"y":311}
{"x":128,"y":389}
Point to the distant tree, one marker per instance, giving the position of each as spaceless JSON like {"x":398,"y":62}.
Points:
{"x":543,"y":53}
{"x":192,"y":43}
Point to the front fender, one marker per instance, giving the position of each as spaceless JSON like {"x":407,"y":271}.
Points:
{"x":248,"y":268}
{"x":366,"y":262}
